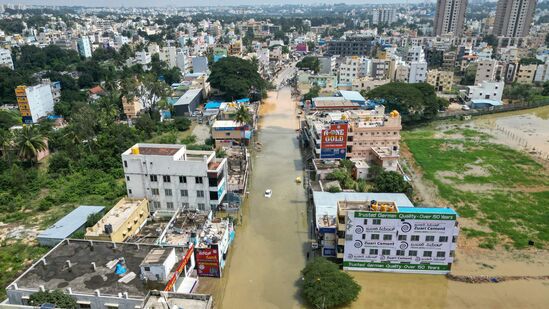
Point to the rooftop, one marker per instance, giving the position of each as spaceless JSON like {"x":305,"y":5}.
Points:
{"x":116,"y":216}
{"x":80,"y":275}
{"x":67,"y":225}
{"x":188,"y":97}
{"x":372,"y":205}
{"x":157,"y":151}
{"x":161,"y":300}
{"x":352,"y":95}
{"x":157,"y":256}
{"x":322,"y":164}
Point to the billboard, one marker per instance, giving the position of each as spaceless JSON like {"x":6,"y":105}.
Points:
{"x":418,"y":242}
{"x":333,"y":142}
{"x":207,"y":262}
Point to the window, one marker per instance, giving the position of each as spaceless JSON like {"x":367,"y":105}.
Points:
{"x":182,"y":179}
{"x":185,"y":205}
{"x":385,"y":252}
{"x":373,"y":251}
{"x":82,"y":305}
{"x":387,"y":237}
{"x":453,"y":238}
{"x":414,"y":238}
{"x":375,"y":236}
{"x":441,"y":254}
{"x":168,"y":192}
{"x":153,"y":178}
{"x":429,"y":238}
{"x":169,"y":205}
{"x":401,"y":237}
{"x":128,"y":178}
{"x":166,"y":178}
{"x":129,"y":191}
{"x":363,"y":251}
{"x":443,"y":239}
{"x":199,"y":193}
{"x":400,"y":252}
{"x":412,"y":253}
{"x":201,"y":206}
{"x":427,"y":253}
{"x":365,"y":221}
{"x":376,"y":222}
{"x":363,"y":236}
{"x":198,"y":180}
{"x":155,"y":205}
{"x":155,"y":191}
{"x":184,"y":192}
{"x":125,"y":163}
{"x":452,"y":253}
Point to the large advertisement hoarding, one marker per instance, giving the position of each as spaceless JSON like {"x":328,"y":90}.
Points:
{"x":207,"y":262}
{"x":333,"y":142}
{"x":399,"y":241}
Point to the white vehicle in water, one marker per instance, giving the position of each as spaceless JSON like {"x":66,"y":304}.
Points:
{"x":268,"y":193}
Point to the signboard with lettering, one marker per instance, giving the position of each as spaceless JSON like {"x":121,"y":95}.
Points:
{"x":207,"y":262}
{"x":385,"y":241}
{"x":333,"y":142}
{"x":180,"y":268}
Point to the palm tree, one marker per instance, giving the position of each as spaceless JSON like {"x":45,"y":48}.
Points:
{"x":6,"y":143}
{"x":242,"y":115}
{"x":29,"y":142}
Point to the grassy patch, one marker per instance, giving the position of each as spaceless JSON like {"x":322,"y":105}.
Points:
{"x":505,"y":206}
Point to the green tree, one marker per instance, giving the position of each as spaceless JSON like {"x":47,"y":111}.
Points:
{"x":182,"y":123}
{"x":242,"y":115}
{"x":236,"y":78}
{"x":391,"y":182}
{"x":325,"y":286}
{"x":6,"y":140}
{"x":93,"y":219}
{"x":60,"y":299}
{"x":146,"y":124}
{"x":29,"y":142}
{"x":309,"y":63}
{"x":545,"y":90}
{"x":313,"y":93}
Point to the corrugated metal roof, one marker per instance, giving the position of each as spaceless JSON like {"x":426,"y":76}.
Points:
{"x":67,"y":225}
{"x":188,"y":97}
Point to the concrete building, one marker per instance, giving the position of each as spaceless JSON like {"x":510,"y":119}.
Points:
{"x":486,"y":71}
{"x":168,"y":54}
{"x":351,"y":46}
{"x":172,"y":177}
{"x":200,"y":64}
{"x":327,"y":65}
{"x":379,"y":235}
{"x":227,"y":132}
{"x":418,"y":72}
{"x":352,"y":68}
{"x":379,"y":69}
{"x":183,"y":61}
{"x":325,"y":206}
{"x":486,"y":90}
{"x":441,"y":80}
{"x":367,"y":83}
{"x":526,"y":73}
{"x":68,"y":225}
{"x":449,"y":17}
{"x":160,"y":299}
{"x":121,"y":222}
{"x":84,"y":47}
{"x":132,"y":107}
{"x":415,"y":54}
{"x":542,"y":73}
{"x":384,"y":16}
{"x":5,"y":58}
{"x":188,"y":102}
{"x":100,"y":274}
{"x":34,"y":102}
{"x":513,"y":18}
{"x":142,"y":58}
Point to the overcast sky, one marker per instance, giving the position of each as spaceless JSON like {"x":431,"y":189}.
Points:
{"x":129,"y":3}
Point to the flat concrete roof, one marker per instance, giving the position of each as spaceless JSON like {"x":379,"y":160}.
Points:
{"x":81,"y":277}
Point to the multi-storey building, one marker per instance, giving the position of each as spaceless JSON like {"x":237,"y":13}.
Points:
{"x":441,"y":80}
{"x":351,"y":46}
{"x":5,"y":58}
{"x":486,"y":90}
{"x":418,"y":72}
{"x":526,"y":73}
{"x":486,"y":70}
{"x":379,"y":69}
{"x":168,"y":54}
{"x":514,"y":17}
{"x":352,"y":68}
{"x":171,"y":177}
{"x":384,"y":16}
{"x":449,"y":17}
{"x":381,"y":236}
{"x":34,"y":102}
{"x":84,"y":47}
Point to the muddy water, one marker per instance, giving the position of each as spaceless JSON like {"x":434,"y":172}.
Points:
{"x":269,"y":250}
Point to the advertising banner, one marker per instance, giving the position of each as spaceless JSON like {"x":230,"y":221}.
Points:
{"x":207,"y":262}
{"x":333,"y":142}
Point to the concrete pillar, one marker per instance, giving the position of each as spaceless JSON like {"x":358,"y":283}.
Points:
{"x":93,"y":266}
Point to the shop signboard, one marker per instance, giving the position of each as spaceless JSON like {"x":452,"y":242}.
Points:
{"x":333,"y":142}
{"x":207,"y":262}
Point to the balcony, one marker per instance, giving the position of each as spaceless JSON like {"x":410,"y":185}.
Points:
{"x":341,"y":241}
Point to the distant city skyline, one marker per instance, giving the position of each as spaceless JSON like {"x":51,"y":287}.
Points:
{"x":179,"y":3}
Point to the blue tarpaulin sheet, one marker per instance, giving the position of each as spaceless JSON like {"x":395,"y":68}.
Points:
{"x":244,"y":100}
{"x":213,"y":105}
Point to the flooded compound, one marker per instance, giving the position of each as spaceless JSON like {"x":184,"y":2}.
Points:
{"x":271,"y":244}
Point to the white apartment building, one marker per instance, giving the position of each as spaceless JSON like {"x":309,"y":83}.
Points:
{"x":487,"y":90}
{"x":418,"y":72}
{"x":183,"y":61}
{"x":170,"y":176}
{"x":168,"y":54}
{"x":84,"y":47}
{"x":542,"y":73}
{"x":142,"y":57}
{"x":352,"y":68}
{"x":5,"y":58}
{"x":384,"y":16}
{"x":34,"y":102}
{"x":486,"y":71}
{"x":415,"y":54}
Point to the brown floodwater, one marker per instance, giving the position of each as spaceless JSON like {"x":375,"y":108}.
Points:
{"x":270,"y":246}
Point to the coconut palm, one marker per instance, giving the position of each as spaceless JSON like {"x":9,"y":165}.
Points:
{"x":242,"y":115}
{"x":29,"y":142}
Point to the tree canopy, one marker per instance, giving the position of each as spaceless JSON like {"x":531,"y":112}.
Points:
{"x":236,"y":78}
{"x":391,"y":182}
{"x":60,"y":299}
{"x":309,"y":63}
{"x":415,"y":102}
{"x":325,"y":286}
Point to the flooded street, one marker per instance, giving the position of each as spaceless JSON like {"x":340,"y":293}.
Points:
{"x":271,"y":243}
{"x":268,"y":253}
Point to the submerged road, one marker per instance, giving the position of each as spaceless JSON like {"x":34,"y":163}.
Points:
{"x":269,"y":249}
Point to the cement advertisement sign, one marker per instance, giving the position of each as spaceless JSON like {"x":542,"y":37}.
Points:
{"x":399,"y":241}
{"x":207,"y":262}
{"x":333,"y":142}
